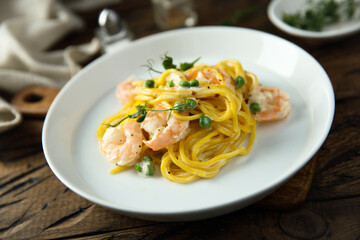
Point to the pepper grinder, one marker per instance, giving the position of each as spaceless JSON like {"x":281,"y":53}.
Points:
{"x":113,"y":31}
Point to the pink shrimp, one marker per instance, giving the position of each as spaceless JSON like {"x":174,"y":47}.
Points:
{"x":206,"y":75}
{"x":122,"y":144}
{"x":125,"y":91}
{"x":274,"y":103}
{"x":163,"y":131}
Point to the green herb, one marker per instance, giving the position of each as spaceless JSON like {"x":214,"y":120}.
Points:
{"x":149,"y":66}
{"x":185,"y":66}
{"x":255,"y":107}
{"x":142,"y":112}
{"x":149,"y":83}
{"x":350,"y":8}
{"x":205,"y":121}
{"x":168,"y":62}
{"x":185,"y":84}
{"x":239,"y":81}
{"x":321,"y":13}
{"x":194,"y":83}
{"x":179,"y":107}
{"x":190,"y":104}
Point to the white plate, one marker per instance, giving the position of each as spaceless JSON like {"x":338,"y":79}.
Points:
{"x":281,"y":148}
{"x":339,"y":30}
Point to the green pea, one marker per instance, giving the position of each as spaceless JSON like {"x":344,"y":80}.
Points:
{"x":138,"y":167}
{"x":255,"y":107}
{"x":184,"y":84}
{"x":149,"y":84}
{"x":194,"y":83}
{"x":147,"y":158}
{"x":239,"y":81}
{"x":190,"y":104}
{"x":150,"y":170}
{"x":179,"y":107}
{"x":170,"y":83}
{"x":205,"y":121}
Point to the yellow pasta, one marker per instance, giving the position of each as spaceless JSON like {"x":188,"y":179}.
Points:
{"x":202,"y":152}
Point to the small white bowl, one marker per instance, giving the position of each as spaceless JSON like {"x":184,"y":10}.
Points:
{"x":339,"y":30}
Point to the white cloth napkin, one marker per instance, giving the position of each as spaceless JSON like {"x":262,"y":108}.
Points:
{"x":9,"y":117}
{"x":27,"y":29}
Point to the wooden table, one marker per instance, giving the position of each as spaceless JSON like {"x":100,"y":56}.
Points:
{"x":35,"y":204}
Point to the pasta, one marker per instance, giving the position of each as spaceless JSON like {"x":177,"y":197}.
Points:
{"x":198,"y":150}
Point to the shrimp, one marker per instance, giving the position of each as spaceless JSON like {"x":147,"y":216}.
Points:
{"x":164,"y":131}
{"x":210,"y":76}
{"x":122,"y":144}
{"x":125,"y":91}
{"x":274,"y":103}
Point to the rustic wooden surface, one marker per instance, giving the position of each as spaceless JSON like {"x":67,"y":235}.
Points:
{"x":35,"y":204}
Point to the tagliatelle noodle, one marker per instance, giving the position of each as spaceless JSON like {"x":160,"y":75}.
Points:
{"x":203,"y":152}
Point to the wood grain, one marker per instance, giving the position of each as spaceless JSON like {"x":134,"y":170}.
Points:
{"x":34,"y":204}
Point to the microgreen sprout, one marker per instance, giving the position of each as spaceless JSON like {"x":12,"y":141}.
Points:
{"x":167,"y":63}
{"x":190,"y":104}
{"x":149,"y":65}
{"x":185,"y":66}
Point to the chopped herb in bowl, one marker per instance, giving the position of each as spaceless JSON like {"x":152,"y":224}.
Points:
{"x":321,"y":13}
